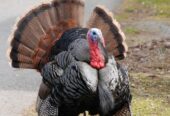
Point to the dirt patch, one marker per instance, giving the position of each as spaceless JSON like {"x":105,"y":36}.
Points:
{"x":148,"y":35}
{"x":151,"y":57}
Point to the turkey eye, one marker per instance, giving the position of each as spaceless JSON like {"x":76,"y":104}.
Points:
{"x":94,"y":33}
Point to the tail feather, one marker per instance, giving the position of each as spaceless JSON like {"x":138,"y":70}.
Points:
{"x":115,"y":39}
{"x":43,"y":16}
{"x":17,"y":57}
{"x":36,"y":32}
{"x":22,"y":65}
{"x":20,"y":48}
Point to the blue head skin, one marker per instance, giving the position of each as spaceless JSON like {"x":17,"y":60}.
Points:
{"x":95,"y":35}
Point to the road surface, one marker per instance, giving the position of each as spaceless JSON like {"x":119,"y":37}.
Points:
{"x":18,"y":88}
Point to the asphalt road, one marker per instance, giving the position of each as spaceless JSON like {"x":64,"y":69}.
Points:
{"x":18,"y":88}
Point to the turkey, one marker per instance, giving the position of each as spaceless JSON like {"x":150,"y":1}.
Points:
{"x":78,"y":64}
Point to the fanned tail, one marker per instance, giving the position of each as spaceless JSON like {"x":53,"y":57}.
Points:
{"x":36,"y":32}
{"x":114,"y":38}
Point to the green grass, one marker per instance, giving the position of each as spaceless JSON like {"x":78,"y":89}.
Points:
{"x":145,"y":8}
{"x":150,"y":107}
{"x":131,"y":30}
{"x":150,"y":95}
{"x":161,"y":7}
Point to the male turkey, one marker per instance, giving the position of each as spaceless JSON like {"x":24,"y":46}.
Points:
{"x":76,"y":63}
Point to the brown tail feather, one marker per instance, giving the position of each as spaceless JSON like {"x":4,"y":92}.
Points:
{"x":114,"y":37}
{"x":17,"y":57}
{"x":21,"y":48}
{"x":21,"y":65}
{"x":37,"y":30}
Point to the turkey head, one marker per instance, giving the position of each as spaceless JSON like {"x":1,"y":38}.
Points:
{"x":98,"y":54}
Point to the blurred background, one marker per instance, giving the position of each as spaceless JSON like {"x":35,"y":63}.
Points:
{"x":146,"y":24}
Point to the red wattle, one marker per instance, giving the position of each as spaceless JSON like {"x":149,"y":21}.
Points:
{"x":96,"y":58}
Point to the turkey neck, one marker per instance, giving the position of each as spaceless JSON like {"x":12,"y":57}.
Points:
{"x":97,"y":59}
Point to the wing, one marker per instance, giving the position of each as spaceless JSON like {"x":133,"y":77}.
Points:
{"x":123,"y":92}
{"x":50,"y":72}
{"x":116,"y":79}
{"x":54,"y":70}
